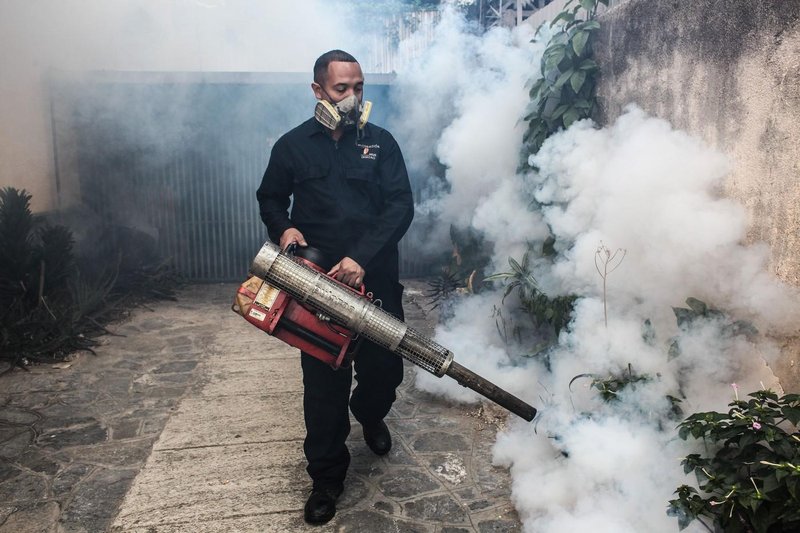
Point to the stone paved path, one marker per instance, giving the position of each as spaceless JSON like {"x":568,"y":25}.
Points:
{"x":193,"y":422}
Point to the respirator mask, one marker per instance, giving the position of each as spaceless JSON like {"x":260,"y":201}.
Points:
{"x":345,"y":113}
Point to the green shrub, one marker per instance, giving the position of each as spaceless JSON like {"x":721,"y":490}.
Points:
{"x":751,"y":482}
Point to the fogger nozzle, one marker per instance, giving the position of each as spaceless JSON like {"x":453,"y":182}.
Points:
{"x":358,"y":314}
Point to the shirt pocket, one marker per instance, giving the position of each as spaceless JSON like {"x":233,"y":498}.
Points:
{"x":312,"y":193}
{"x":361,"y":193}
{"x":311,"y":172}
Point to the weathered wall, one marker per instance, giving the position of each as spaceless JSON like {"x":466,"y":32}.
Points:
{"x":729,"y":72}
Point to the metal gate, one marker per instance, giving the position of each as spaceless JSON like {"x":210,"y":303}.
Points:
{"x":180,"y":156}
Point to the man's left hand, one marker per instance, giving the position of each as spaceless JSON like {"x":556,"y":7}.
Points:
{"x":349,"y":272}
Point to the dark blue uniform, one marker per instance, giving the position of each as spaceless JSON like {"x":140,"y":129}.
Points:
{"x":349,"y":198}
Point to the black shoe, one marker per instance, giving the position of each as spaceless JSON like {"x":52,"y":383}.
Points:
{"x":321,"y":505}
{"x":377,"y":438}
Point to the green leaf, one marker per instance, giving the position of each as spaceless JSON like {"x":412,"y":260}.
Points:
{"x":699,"y":307}
{"x":588,"y":4}
{"x":579,"y":41}
{"x":569,"y":117}
{"x":562,"y":79}
{"x":566,"y":16}
{"x":554,"y":59}
{"x":559,"y":38}
{"x":590,"y":25}
{"x":792,"y":414}
{"x":536,"y":88}
{"x":588,"y":64}
{"x":515,"y":266}
{"x":560,"y":110}
{"x":576,"y":80}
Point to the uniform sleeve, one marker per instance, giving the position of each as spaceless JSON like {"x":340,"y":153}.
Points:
{"x":275,"y":191}
{"x":397,"y":210}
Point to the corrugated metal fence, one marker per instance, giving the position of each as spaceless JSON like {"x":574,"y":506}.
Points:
{"x":180,"y":156}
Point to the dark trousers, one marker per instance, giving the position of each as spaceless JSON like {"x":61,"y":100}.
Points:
{"x":326,"y":396}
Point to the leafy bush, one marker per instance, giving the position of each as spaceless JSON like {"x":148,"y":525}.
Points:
{"x":751,"y":483}
{"x":565,"y":89}
{"x":543,"y":309}
{"x":49,"y":307}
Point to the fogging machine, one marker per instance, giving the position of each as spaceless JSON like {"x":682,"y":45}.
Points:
{"x":293,"y":299}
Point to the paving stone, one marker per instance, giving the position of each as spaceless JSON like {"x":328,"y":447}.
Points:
{"x":449,"y":467}
{"x":7,"y":471}
{"x":467,"y":493}
{"x":122,"y":454}
{"x":152,"y":324}
{"x":63,"y":438}
{"x":16,"y":445}
{"x":499,"y":526}
{"x":25,"y":487}
{"x":127,"y":364}
{"x":58,"y":422}
{"x":176,"y":366}
{"x":34,"y":459}
{"x":404,"y":483}
{"x":154,"y":426}
{"x":159,"y":392}
{"x":79,"y":395}
{"x":399,"y":455}
{"x":125,"y":429}
{"x":171,"y":379}
{"x":68,"y":478}
{"x":438,"y":508}
{"x":455,"y":530}
{"x":402,"y":409}
{"x":368,"y":470}
{"x":37,"y":517}
{"x":94,"y":501}
{"x":479,"y":505}
{"x":439,"y":441}
{"x":14,"y":415}
{"x":183,"y":341}
{"x":355,"y":492}
{"x":363,"y":521}
{"x":384,"y":506}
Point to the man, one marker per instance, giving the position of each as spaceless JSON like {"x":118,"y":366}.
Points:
{"x":351,"y":199}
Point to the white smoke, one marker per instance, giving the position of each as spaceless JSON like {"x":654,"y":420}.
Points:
{"x":460,"y":103}
{"x":587,"y":464}
{"x":41,"y":40}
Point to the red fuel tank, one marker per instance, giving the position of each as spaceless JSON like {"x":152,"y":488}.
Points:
{"x":277,"y":313}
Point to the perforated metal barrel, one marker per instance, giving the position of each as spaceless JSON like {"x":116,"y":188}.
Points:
{"x":359,"y":315}
{"x":349,"y":309}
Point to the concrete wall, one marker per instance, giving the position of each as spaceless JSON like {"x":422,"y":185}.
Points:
{"x":729,"y":72}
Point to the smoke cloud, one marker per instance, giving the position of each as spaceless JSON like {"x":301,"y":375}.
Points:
{"x":588,"y":464}
{"x":460,"y":106}
{"x":41,"y":40}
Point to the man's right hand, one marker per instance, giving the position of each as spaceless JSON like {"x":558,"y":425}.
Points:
{"x":292,"y":235}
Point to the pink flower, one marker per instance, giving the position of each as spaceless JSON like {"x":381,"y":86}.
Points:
{"x":735,"y":390}
{"x":756,"y":425}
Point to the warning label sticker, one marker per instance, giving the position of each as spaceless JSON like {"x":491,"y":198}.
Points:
{"x":258,"y":315}
{"x":267,"y":295}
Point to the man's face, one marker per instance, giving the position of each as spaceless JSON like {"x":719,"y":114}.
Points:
{"x":343,"y":79}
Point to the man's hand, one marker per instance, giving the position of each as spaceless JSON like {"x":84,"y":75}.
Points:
{"x":290,"y":236}
{"x":349,"y":272}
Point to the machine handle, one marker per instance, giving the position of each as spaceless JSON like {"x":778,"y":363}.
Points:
{"x":486,"y":388}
